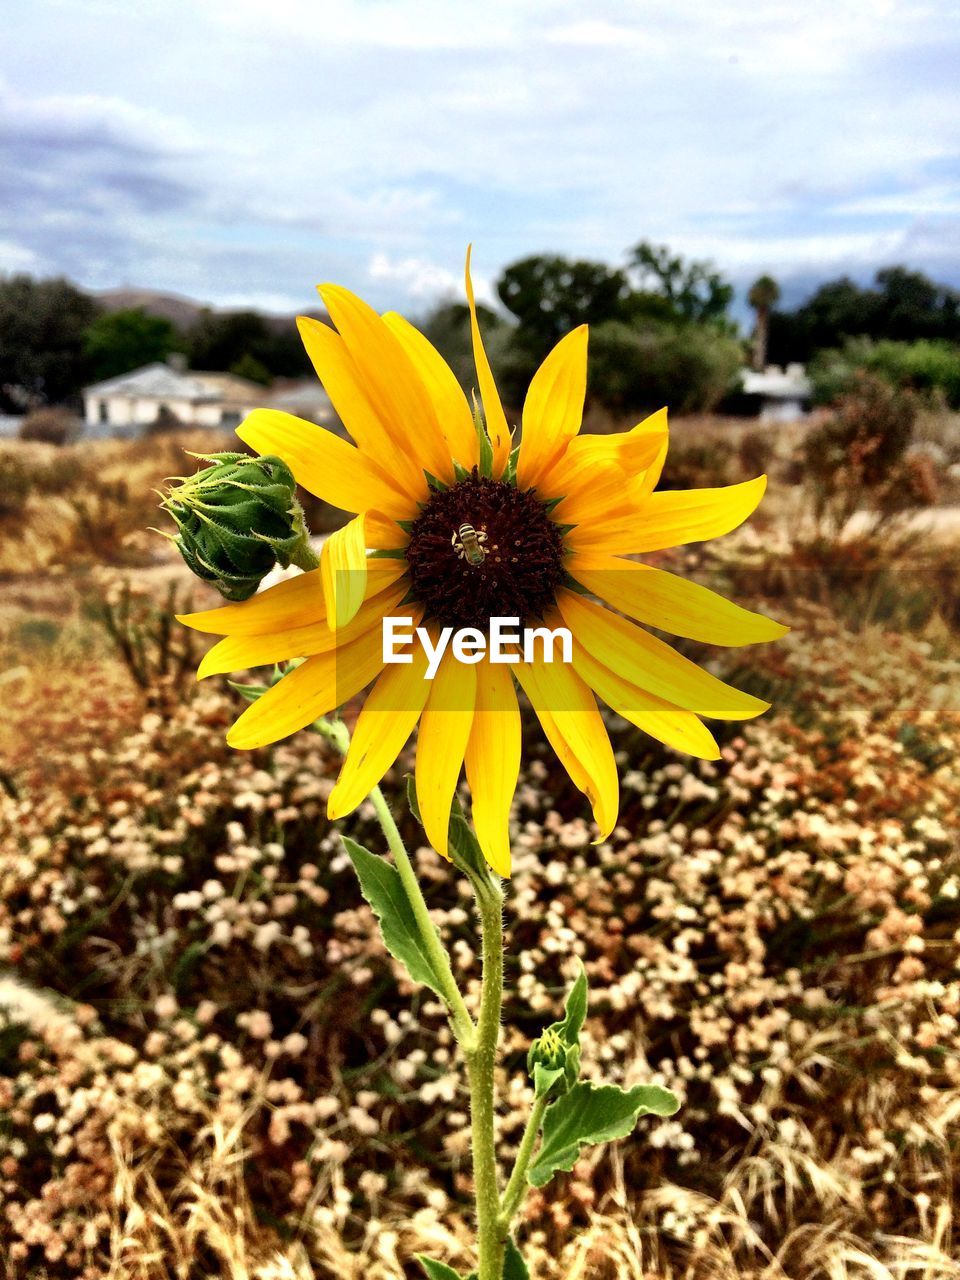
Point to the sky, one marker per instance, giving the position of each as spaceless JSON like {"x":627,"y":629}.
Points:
{"x":241,"y":151}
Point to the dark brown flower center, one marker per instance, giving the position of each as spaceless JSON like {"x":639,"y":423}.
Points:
{"x":484,"y":549}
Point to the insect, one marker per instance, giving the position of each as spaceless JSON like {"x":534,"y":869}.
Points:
{"x":468,"y":544}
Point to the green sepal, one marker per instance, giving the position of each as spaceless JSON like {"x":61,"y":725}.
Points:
{"x":544,"y":1078}
{"x":383,"y":889}
{"x":486,"y":448}
{"x":590,"y":1114}
{"x":251,"y":692}
{"x":433,"y":483}
{"x":549,"y":504}
{"x":564,"y":529}
{"x":460,"y":471}
{"x":388,"y":553}
{"x":406,"y":525}
{"x":570,"y":582}
{"x":510,"y":471}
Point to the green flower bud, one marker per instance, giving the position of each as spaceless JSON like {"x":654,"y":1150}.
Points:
{"x":553,"y":1063}
{"x":237,"y":519}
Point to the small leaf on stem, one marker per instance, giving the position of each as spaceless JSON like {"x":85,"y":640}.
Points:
{"x":589,"y":1114}
{"x":383,"y":889}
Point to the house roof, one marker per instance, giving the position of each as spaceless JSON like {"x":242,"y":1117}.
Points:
{"x":155,"y":382}
{"x":304,"y":397}
{"x":227,"y":386}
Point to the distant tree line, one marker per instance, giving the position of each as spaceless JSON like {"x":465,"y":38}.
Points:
{"x":661,"y":332}
{"x":55,"y":339}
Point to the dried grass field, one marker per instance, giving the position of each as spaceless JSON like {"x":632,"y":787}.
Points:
{"x":210,"y":1067}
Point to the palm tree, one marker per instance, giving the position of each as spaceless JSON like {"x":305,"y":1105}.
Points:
{"x":763,"y":296}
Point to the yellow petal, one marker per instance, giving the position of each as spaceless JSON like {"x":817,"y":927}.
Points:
{"x":456,"y":420}
{"x":309,"y":691}
{"x":330,"y":468}
{"x":661,"y":720}
{"x":567,"y":710}
{"x":553,"y":408}
{"x":660,"y":599}
{"x":497,"y":427}
{"x":598,"y":474}
{"x":343,"y":572}
{"x":672,"y":518}
{"x":344,"y":384}
{"x":493,"y":762}
{"x":292,"y":603}
{"x":397,"y":394}
{"x":388,"y":717}
{"x":441,"y":744}
{"x":384,"y":534}
{"x":652,"y":665}
{"x":242,"y":653}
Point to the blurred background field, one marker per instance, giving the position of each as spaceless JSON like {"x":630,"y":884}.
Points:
{"x":208,"y":1064}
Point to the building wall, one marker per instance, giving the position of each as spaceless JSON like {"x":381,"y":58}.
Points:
{"x":129,"y":415}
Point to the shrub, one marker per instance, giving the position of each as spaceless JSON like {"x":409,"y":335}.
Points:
{"x":856,"y":460}
{"x":925,"y":366}
{"x":690,"y":368}
{"x":50,"y":426}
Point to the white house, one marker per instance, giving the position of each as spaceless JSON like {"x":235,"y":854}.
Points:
{"x":133,"y":402}
{"x":784,"y":393}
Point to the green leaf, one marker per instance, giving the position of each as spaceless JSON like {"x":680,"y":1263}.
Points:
{"x":437,"y":1270}
{"x":514,"y":1267}
{"x":589,"y":1114}
{"x":575,"y":1009}
{"x":382,"y":887}
{"x":463,"y":847}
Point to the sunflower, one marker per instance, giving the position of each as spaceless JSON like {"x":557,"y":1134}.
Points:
{"x":559,"y":515}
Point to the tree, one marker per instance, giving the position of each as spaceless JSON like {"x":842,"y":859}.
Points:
{"x":638,"y":370}
{"x":552,"y":295}
{"x":221,"y":340}
{"x":694,"y":291}
{"x":904,"y":306}
{"x":119,"y":341}
{"x":448,"y":328}
{"x":763,"y":296}
{"x":42,"y":327}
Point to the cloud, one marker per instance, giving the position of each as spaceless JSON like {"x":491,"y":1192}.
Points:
{"x":248,"y":153}
{"x":419,"y":279}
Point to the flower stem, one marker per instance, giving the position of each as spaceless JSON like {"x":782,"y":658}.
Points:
{"x":460,"y":1019}
{"x":481,"y":1065}
{"x":336,"y":731}
{"x":517,"y":1186}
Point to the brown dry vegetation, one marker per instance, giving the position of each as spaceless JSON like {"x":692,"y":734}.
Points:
{"x":210,"y":1067}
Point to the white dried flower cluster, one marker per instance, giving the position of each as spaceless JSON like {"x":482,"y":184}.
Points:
{"x":774,"y":937}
